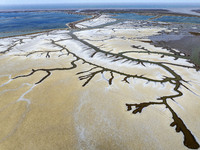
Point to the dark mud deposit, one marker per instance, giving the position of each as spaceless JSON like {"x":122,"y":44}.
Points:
{"x":189,"y":45}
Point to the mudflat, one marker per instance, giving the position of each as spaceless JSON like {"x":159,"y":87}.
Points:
{"x":104,"y":83}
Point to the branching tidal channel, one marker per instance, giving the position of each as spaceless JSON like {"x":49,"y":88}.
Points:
{"x":175,"y":79}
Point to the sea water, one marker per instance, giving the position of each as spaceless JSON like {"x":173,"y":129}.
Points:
{"x":16,"y":23}
{"x":179,"y":19}
{"x":131,"y":16}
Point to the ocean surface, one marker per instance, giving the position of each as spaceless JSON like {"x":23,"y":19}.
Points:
{"x":131,"y":16}
{"x":17,"y":23}
{"x":178,"y":19}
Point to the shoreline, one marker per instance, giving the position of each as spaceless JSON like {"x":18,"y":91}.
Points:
{"x":95,"y":13}
{"x":111,"y":10}
{"x":49,"y":30}
{"x":67,"y":84}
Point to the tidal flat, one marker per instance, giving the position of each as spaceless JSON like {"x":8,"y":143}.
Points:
{"x":103,"y":83}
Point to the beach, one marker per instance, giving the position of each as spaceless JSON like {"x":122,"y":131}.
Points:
{"x":102,"y":83}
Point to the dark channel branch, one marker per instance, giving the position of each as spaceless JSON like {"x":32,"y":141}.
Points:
{"x":141,"y":106}
{"x":126,"y":76}
{"x":9,"y":48}
{"x":89,"y":77}
{"x":189,"y":139}
{"x":43,"y":52}
{"x":48,"y":71}
{"x":159,"y":53}
{"x":104,"y":69}
{"x":176,"y":80}
{"x":126,"y":58}
{"x":14,"y":43}
{"x":139,"y":47}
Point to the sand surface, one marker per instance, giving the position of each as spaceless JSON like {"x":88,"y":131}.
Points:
{"x":71,"y":90}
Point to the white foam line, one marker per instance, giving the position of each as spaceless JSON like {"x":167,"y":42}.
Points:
{"x":6,"y":106}
{"x":103,"y":77}
{"x":194,"y":93}
{"x":179,"y":105}
{"x":82,"y":132}
{"x":22,"y":96}
{"x":196,"y":139}
{"x":7,"y":90}
{"x":17,"y":125}
{"x":107,"y":88}
{"x":79,"y":128}
{"x":198,"y":83}
{"x":4,"y":76}
{"x":10,"y":79}
{"x":164,"y":109}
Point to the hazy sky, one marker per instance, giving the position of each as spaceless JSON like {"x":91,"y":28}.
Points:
{"x":93,"y":1}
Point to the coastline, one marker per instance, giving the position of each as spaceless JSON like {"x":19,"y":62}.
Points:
{"x":46,"y":30}
{"x":73,"y":88}
{"x":95,"y":13}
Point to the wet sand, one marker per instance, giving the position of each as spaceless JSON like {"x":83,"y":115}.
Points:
{"x":104,"y":86}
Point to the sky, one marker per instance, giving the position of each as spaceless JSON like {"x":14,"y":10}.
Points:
{"x":9,"y":2}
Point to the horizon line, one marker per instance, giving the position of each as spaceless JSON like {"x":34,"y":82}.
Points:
{"x":144,"y":3}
